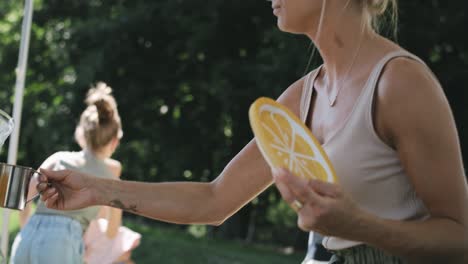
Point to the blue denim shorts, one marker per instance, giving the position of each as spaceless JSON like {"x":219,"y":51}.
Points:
{"x":50,"y":239}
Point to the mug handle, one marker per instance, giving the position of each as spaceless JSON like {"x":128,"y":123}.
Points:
{"x":37,"y":194}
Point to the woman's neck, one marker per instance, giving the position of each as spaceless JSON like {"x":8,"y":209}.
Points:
{"x":102,"y":154}
{"x":339,"y":39}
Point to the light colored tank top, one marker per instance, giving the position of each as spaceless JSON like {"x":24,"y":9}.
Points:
{"x":367,"y":168}
{"x":85,"y":162}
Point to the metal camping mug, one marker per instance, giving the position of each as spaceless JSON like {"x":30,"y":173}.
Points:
{"x":14,"y":185}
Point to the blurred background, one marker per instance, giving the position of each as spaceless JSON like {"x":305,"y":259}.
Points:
{"x":184,"y":74}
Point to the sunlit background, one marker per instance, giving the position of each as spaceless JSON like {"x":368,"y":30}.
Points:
{"x":184,"y":74}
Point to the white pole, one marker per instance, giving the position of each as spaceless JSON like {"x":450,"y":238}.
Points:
{"x":17,"y":107}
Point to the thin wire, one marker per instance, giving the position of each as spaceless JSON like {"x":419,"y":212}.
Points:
{"x":309,"y":62}
{"x":318,"y":33}
{"x":335,"y":96}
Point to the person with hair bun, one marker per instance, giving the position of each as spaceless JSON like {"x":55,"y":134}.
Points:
{"x":386,"y":125}
{"x":56,"y":237}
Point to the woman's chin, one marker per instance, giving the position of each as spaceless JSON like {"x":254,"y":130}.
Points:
{"x":282,"y":26}
{"x":286,"y":28}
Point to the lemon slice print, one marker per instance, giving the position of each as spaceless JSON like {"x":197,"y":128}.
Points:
{"x":286,"y":142}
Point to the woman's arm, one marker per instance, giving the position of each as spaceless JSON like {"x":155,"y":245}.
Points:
{"x":246,"y":175}
{"x":113,"y":215}
{"x":192,"y":202}
{"x":176,"y":202}
{"x":413,"y":115}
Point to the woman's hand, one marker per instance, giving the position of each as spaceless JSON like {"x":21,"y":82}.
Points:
{"x":322,"y":207}
{"x":66,"y":190}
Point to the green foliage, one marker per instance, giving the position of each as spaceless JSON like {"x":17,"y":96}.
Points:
{"x":184,"y":74}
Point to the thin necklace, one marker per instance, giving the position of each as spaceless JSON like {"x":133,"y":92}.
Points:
{"x":334,"y":96}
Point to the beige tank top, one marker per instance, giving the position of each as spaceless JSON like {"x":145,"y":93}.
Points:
{"x":85,"y":162}
{"x":367,"y":168}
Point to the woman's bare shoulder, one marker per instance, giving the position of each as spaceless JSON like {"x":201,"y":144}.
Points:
{"x":115,"y":166}
{"x":409,"y":94}
{"x":407,"y":77}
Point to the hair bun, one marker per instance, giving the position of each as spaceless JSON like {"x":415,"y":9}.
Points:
{"x":100,"y":121}
{"x":377,"y":7}
{"x":98,"y":92}
{"x":101,"y":97}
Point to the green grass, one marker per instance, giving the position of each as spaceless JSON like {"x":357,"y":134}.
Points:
{"x":173,"y":246}
{"x":168,"y":245}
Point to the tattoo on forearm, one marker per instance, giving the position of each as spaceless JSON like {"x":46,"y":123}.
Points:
{"x":119,"y":204}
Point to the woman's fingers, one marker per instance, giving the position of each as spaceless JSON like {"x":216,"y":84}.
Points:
{"x":298,"y":186}
{"x":42,"y":178}
{"x":56,"y":176}
{"x":48,"y":193}
{"x":41,"y":187}
{"x":282,"y":187}
{"x":324,"y":188}
{"x":43,"y":184}
{"x":52,"y":202}
{"x":294,"y":188}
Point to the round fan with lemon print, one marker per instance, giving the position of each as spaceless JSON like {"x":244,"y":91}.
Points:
{"x":286,"y":142}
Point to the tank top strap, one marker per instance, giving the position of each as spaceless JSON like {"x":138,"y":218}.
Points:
{"x":307,"y":90}
{"x":366,"y":101}
{"x":379,"y":67}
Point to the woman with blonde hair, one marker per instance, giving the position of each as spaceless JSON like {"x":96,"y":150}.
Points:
{"x":385,"y":123}
{"x":52,"y":236}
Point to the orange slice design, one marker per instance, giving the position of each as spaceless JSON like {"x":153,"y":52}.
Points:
{"x":287,"y":143}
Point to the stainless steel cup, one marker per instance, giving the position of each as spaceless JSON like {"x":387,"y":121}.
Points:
{"x":14,"y":185}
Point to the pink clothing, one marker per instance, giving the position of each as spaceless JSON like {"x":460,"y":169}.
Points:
{"x":99,"y":249}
